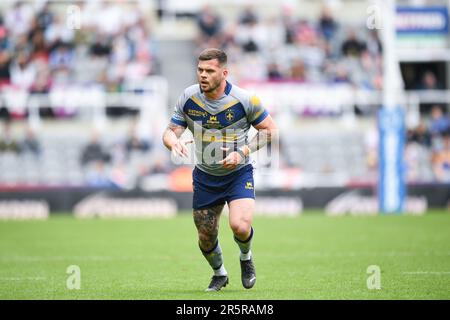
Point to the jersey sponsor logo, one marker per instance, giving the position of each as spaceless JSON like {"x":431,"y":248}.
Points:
{"x":213,"y":123}
{"x":196,"y":113}
{"x":217,"y":136}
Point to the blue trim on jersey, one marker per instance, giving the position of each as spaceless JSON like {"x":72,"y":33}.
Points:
{"x":260,"y":118}
{"x":228,"y":88}
{"x":179,"y":122}
{"x":220,"y":120}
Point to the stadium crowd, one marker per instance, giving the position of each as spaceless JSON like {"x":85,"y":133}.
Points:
{"x":288,"y":48}
{"x":39,"y":54}
{"x":427,"y":151}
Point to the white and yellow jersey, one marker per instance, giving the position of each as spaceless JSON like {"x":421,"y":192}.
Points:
{"x":223,"y":122}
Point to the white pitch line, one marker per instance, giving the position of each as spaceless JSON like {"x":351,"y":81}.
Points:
{"x":22,"y":278}
{"x":63,"y":258}
{"x":427,"y":272}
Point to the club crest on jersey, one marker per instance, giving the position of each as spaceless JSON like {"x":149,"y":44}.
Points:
{"x":229,"y":115}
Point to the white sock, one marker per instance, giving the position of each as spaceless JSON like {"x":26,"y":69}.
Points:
{"x":221,"y":271}
{"x":246,"y":256}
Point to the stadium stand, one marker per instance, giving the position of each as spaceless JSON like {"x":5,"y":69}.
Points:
{"x":59,"y":84}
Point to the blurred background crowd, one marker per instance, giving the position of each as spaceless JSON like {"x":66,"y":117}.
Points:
{"x":121,"y":45}
{"x":288,"y":47}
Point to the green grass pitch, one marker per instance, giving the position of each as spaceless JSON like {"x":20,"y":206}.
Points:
{"x":308,"y":257}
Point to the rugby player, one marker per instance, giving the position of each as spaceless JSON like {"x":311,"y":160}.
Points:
{"x":220,"y":114}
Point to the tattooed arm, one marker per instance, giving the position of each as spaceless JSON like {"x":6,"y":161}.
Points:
{"x":266,"y":133}
{"x":267,"y":130}
{"x":171,"y":139}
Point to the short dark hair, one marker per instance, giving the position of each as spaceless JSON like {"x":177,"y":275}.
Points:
{"x":213,"y":53}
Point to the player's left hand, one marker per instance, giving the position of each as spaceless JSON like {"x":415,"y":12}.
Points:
{"x":232,"y":160}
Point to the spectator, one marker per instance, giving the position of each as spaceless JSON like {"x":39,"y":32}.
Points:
{"x":101,"y":47}
{"x":273,"y":34}
{"x":327,"y":24}
{"x":97,"y":176}
{"x":374,"y":46}
{"x":43,"y":82}
{"x":5,"y":66}
{"x":40,"y":51}
{"x":58,"y":33}
{"x":306,"y":33}
{"x":250,"y":34}
{"x":417,"y":159}
{"x":5,"y":41}
{"x":441,"y":160}
{"x":135,"y":143}
{"x":248,"y":37}
{"x":18,"y":19}
{"x":248,"y":16}
{"x":7,"y":141}
{"x":341,"y":74}
{"x":209,"y":23}
{"x":21,"y":43}
{"x":112,"y":18}
{"x":298,"y":72}
{"x":352,"y":46}
{"x":45,"y":17}
{"x":421,"y":135}
{"x":160,"y":166}
{"x":273,"y":72}
{"x":121,"y":50}
{"x":439,"y":123}
{"x":289,"y":25}
{"x":429,"y":82}
{"x":94,"y":151}
{"x":30,"y":144}
{"x":61,"y":58}
{"x":23,"y":71}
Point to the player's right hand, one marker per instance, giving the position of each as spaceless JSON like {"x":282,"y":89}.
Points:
{"x":179,"y":148}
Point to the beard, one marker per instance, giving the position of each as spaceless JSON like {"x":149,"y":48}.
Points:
{"x":213,"y":86}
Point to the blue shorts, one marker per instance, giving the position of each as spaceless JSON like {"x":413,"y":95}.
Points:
{"x":212,"y":190}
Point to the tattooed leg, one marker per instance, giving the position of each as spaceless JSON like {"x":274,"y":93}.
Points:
{"x":207,"y":223}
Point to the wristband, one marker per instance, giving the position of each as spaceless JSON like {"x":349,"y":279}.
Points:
{"x":238,"y":150}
